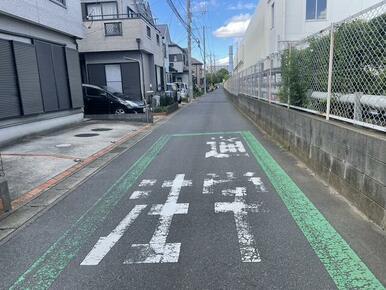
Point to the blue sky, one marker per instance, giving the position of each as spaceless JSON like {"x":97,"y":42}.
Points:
{"x":226,"y":20}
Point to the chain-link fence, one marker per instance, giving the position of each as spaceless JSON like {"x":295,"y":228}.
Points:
{"x":339,"y":73}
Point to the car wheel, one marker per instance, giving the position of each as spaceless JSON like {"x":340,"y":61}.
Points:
{"x":119,"y":111}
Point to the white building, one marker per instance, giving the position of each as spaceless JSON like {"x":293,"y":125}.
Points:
{"x":276,"y":22}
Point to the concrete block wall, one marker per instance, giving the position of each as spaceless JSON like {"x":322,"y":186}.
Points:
{"x":352,"y":160}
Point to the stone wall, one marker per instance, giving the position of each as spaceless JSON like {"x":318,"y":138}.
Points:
{"x":352,"y":160}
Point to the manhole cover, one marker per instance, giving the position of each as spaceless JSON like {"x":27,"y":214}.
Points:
{"x":63,"y":145}
{"x":87,"y":135}
{"x":101,"y":129}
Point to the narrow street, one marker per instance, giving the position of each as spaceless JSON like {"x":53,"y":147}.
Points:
{"x":203,"y":202}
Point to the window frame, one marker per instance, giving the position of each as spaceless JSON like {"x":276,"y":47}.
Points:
{"x":102,"y":16}
{"x":120,"y":28}
{"x":315,"y":18}
{"x":273,"y":15}
{"x":61,"y":3}
{"x":148,"y":31}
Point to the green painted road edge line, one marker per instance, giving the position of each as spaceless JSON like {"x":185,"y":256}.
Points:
{"x":46,"y":269}
{"x":204,"y":134}
{"x":344,"y":266}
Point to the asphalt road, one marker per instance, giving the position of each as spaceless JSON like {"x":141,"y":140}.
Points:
{"x":198,"y":204}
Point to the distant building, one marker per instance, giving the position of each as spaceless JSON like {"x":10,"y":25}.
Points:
{"x":276,"y":22}
{"x":121,"y":40}
{"x":178,"y":59}
{"x":166,"y":42}
{"x":40,"y":83}
{"x":198,"y":73}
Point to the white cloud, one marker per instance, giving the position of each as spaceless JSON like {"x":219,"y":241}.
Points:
{"x":236,"y":27}
{"x":202,"y":5}
{"x":223,"y":61}
{"x":242,"y":6}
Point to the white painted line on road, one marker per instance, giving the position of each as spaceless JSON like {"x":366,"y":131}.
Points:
{"x":138,"y":194}
{"x":105,"y":244}
{"x":158,"y":250}
{"x":213,"y":179}
{"x":147,"y":182}
{"x":260,"y":187}
{"x":248,"y":249}
{"x":225,"y":148}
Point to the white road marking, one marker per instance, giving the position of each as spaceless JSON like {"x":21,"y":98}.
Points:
{"x":158,"y":250}
{"x":256,"y":181}
{"x":147,"y":182}
{"x":140,"y":194}
{"x":213,"y":151}
{"x":248,"y":250}
{"x":105,"y":244}
{"x":225,"y":148}
{"x":213,"y":179}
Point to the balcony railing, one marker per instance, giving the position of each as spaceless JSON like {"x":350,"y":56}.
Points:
{"x":112,"y":16}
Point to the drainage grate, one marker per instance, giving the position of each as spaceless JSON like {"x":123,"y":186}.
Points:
{"x":87,"y":135}
{"x":101,"y":129}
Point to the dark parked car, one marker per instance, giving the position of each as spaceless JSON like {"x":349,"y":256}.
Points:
{"x":98,"y":100}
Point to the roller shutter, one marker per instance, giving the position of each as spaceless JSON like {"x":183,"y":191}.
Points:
{"x":28,"y":75}
{"x":47,"y":76}
{"x":9,"y":95}
{"x":96,"y":74}
{"x":74,"y":77}
{"x":61,"y":80}
{"x":131,"y":81}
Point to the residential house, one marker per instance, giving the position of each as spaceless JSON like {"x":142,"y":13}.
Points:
{"x":40,"y":83}
{"x":122,"y":48}
{"x":198,"y":73}
{"x":178,"y":58}
{"x":166,"y":42}
{"x":277,"y":22}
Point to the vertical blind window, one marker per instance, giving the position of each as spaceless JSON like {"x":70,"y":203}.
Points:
{"x":316,"y":9}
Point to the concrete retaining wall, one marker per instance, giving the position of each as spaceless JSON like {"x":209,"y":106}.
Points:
{"x":123,"y":117}
{"x":351,"y":160}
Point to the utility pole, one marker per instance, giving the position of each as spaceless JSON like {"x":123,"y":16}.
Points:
{"x":203,"y":32}
{"x":190,"y":85}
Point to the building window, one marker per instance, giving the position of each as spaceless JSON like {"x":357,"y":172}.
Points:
{"x":273,"y":15}
{"x":316,"y":9}
{"x":158,"y":40}
{"x":60,"y":2}
{"x":113,"y":29}
{"x":148,"y":31}
{"x":103,"y":10}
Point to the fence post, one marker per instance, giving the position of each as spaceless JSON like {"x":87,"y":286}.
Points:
{"x":357,"y":106}
{"x":330,"y":68}
{"x":270,"y":79}
{"x":289,"y":73}
{"x":261,"y":69}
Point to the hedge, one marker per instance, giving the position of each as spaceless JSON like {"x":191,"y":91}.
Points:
{"x":359,"y":62}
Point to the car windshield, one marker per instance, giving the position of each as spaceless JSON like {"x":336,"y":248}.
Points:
{"x":115,"y":93}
